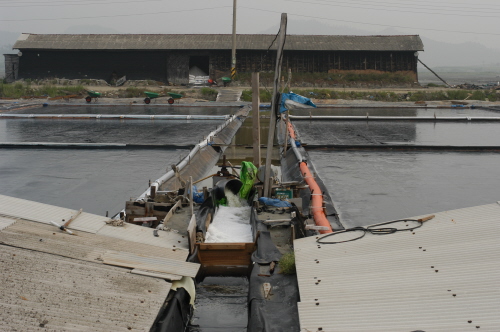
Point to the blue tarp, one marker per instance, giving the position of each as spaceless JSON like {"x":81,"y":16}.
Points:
{"x":294,"y":97}
{"x":274,"y":202}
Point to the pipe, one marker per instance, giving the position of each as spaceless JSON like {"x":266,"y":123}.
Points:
{"x":317,"y":197}
{"x":394,"y":118}
{"x":116,"y":116}
{"x":158,"y":182}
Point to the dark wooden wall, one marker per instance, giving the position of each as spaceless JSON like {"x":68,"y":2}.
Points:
{"x":318,"y":61}
{"x":140,"y":65}
{"x":173,"y":66}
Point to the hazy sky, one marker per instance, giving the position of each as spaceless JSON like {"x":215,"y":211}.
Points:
{"x":450,"y":21}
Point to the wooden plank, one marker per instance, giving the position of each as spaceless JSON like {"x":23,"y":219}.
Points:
{"x":172,"y":211}
{"x":222,"y":246}
{"x":66,"y":224}
{"x":145,"y":219}
{"x":150,"y":263}
{"x":192,"y":233}
{"x":159,"y":275}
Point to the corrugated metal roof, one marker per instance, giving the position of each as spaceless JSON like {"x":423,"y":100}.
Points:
{"x":444,"y":276}
{"x":85,"y":246}
{"x":139,"y":234}
{"x":44,"y":213}
{"x":216,"y":42}
{"x":6,"y":222}
{"x":49,"y":292}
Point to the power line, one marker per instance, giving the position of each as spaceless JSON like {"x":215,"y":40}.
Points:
{"x":427,"y":4}
{"x":412,"y":5}
{"x":123,"y":15}
{"x":374,"y":24}
{"x":65,"y":3}
{"x":390,"y":10}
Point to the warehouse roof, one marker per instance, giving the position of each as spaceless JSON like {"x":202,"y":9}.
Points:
{"x":215,"y":42}
{"x":443,"y":276}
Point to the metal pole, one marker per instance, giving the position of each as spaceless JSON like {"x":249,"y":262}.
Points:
{"x":274,"y":105}
{"x":233,"y":53}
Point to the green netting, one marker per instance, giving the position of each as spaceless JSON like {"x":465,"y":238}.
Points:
{"x":247,"y":176}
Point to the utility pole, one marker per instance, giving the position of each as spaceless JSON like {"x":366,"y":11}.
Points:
{"x":274,"y":106}
{"x":233,"y":53}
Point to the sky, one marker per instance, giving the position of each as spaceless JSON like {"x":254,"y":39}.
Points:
{"x":442,"y":20}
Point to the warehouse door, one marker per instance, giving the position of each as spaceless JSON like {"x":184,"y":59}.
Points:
{"x":198,"y":70}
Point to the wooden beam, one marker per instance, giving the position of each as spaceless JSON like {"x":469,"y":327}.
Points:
{"x":274,"y":105}
{"x":256,"y":119}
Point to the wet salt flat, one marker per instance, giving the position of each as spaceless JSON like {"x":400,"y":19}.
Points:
{"x":127,"y":109}
{"x":106,"y":131}
{"x":423,"y":133}
{"x":416,"y":112}
{"x":93,"y":180}
{"x":368,"y":187}
{"x":407,"y":132}
{"x":372,"y":187}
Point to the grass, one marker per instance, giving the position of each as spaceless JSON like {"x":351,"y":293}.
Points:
{"x":386,"y":96}
{"x":19,"y":90}
{"x":208,"y":93}
{"x":287,"y":263}
{"x":265,"y":95}
{"x":336,"y":77}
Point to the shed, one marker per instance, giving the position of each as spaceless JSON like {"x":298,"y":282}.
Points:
{"x":169,"y":57}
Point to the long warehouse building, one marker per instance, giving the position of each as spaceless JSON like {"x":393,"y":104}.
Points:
{"x":170,"y":57}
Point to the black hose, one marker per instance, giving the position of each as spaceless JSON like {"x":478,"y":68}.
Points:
{"x":372,"y":230}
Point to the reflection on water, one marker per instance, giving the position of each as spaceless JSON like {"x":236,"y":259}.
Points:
{"x":372,"y":187}
{"x":380,"y":132}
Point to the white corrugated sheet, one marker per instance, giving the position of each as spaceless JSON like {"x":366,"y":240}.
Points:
{"x":44,"y":213}
{"x":43,"y":292}
{"x":444,"y":276}
{"x":6,"y":222}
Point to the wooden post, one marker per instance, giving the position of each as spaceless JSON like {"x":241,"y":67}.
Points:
{"x":286,"y":133}
{"x":256,"y":119}
{"x":274,"y":105}
{"x":191,"y":194}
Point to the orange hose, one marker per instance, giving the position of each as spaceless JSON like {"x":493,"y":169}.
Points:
{"x":317,"y":196}
{"x":317,"y":199}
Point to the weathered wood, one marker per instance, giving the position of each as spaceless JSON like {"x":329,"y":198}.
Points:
{"x":145,"y":219}
{"x":192,"y":233}
{"x":222,"y":246}
{"x":256,"y":119}
{"x":66,"y":224}
{"x":274,"y":105}
{"x":167,"y":276}
{"x":172,"y":211}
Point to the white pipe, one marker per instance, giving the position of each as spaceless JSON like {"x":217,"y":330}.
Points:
{"x":158,"y":182}
{"x":117,"y":116}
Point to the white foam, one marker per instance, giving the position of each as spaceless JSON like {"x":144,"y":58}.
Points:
{"x":230,"y":224}
{"x":234,"y":200}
